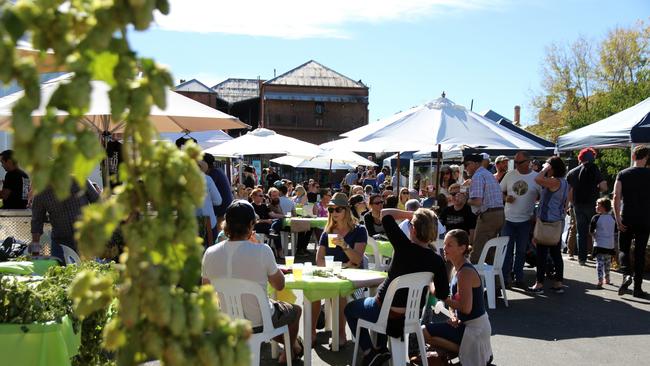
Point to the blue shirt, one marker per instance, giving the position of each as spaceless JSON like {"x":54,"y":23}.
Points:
{"x":485,"y":186}
{"x":356,"y":235}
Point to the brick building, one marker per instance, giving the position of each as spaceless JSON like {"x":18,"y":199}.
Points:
{"x":311,"y":102}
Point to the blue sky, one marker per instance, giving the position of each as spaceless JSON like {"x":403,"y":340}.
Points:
{"x":406,"y":51}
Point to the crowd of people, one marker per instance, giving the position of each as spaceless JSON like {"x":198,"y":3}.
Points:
{"x":465,"y":209}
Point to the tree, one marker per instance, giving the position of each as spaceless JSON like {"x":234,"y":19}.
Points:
{"x":162,"y":313}
{"x":624,"y":55}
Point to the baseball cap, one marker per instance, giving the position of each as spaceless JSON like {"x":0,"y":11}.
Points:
{"x":476,"y":158}
{"x":501,"y":158}
{"x":240,"y":211}
{"x":485,"y":156}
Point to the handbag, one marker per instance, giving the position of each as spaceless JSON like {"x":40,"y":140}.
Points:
{"x":547,"y":233}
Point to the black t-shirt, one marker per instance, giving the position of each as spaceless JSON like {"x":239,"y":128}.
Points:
{"x":636,"y":196}
{"x":372,"y":227}
{"x":584,"y":180}
{"x":249,"y":182}
{"x":312,"y":197}
{"x":17,"y":182}
{"x":262,"y":211}
{"x":463,"y":219}
{"x":114,"y":157}
{"x":271,"y":178}
{"x":411,"y":258}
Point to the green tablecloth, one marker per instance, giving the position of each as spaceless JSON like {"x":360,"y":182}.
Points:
{"x":299,"y":211}
{"x":17,"y":268}
{"x":385,"y":248}
{"x":42,"y":265}
{"x":316,"y":288}
{"x":314,"y":222}
{"x":42,"y":344}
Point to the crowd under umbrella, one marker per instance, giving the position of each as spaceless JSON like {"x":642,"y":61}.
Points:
{"x":325,"y":160}
{"x":438,"y":126}
{"x":262,"y":141}
{"x":181,"y":113}
{"x":623,"y":129}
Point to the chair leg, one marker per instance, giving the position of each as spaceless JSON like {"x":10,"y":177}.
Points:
{"x":503,"y":289}
{"x":288,"y":347}
{"x":255,"y":353}
{"x":422,"y":346}
{"x":490,"y":288}
{"x":356,"y":345}
{"x":275,"y":350}
{"x":398,"y":351}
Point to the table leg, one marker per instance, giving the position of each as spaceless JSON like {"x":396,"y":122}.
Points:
{"x":294,"y":243}
{"x":328,"y":314}
{"x":306,"y":329}
{"x":284,"y":238}
{"x":335,"y":323}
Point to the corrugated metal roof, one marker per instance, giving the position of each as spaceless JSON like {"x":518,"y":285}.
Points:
{"x":193,"y":86}
{"x":316,"y":97}
{"x":237,"y":90}
{"x":314,"y":74}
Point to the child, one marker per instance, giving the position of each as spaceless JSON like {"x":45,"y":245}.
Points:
{"x":603,"y":231}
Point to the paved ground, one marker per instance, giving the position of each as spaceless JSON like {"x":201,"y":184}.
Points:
{"x":584,"y":326}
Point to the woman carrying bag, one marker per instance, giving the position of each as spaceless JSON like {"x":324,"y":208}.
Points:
{"x":547,"y":236}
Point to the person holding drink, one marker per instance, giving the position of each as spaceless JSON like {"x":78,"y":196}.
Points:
{"x":345,"y":240}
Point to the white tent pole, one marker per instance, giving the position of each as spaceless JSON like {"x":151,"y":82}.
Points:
{"x":398,"y":175}
{"x":411,"y":172}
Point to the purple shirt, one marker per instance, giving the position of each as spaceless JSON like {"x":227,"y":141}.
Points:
{"x":485,"y":186}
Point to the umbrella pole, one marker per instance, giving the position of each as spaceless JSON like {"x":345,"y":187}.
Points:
{"x":330,"y":175}
{"x":432,"y":173}
{"x":438,"y":170}
{"x":398,"y":175}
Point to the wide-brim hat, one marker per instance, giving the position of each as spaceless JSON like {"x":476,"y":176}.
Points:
{"x":476,"y":158}
{"x":339,"y":199}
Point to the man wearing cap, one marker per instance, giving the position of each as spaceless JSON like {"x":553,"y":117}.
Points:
{"x":487,"y":203}
{"x":585,"y":185}
{"x":241,"y":257}
{"x":501,"y":166}
{"x":487,"y":163}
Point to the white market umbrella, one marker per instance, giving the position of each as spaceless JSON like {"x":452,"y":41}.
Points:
{"x":181,"y":114}
{"x":300,"y":162}
{"x":630,"y":126}
{"x":205,"y":139}
{"x":262,"y":141}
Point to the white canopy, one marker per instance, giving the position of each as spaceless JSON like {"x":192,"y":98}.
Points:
{"x":440,"y":122}
{"x":621,"y":129}
{"x":262,"y":141}
{"x":325,"y":159}
{"x":182,"y":114}
{"x":205,"y":139}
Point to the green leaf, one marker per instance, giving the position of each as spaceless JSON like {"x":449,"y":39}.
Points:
{"x":102,"y":67}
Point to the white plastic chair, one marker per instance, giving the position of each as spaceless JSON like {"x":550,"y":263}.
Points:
{"x":489,"y":271}
{"x":380,"y":265}
{"x":415,"y":283}
{"x":230,"y":291}
{"x":70,"y":256}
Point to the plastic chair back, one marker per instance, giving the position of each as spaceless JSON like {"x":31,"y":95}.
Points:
{"x":379,"y":260}
{"x":70,"y":256}
{"x":230,"y":291}
{"x":415,"y":283}
{"x":501,"y":245}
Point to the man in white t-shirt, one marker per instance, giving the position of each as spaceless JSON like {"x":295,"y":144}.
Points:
{"x":240,"y":257}
{"x":520,"y":192}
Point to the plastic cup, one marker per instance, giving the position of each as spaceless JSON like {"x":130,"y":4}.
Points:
{"x":308,"y":269}
{"x":330,"y":240}
{"x":297,"y":271}
{"x":288,"y":214}
{"x":329,"y":261}
{"x":337,"y":267}
{"x":288,"y":260}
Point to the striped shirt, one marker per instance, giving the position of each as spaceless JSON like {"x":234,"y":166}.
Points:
{"x":486,"y":187}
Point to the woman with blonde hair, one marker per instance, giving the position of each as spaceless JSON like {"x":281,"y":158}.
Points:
{"x":404,"y":195}
{"x":301,"y":195}
{"x":350,"y":245}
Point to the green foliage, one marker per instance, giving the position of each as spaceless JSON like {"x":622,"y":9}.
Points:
{"x":161,"y":312}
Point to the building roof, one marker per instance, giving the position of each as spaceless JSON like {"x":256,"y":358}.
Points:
{"x":237,"y":90}
{"x":193,"y":86}
{"x":314,"y":74}
{"x":494,"y":116}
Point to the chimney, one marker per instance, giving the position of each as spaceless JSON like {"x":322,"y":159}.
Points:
{"x":517,"y":115}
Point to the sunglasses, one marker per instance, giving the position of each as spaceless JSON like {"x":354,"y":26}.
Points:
{"x":337,"y":209}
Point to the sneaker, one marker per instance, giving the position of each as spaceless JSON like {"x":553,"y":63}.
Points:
{"x":535,"y":290}
{"x":627,"y":281}
{"x":376,"y":357}
{"x":599,"y":285}
{"x":558,"y":290}
{"x":638,"y":293}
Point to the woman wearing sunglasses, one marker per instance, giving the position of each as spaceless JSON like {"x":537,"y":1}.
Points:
{"x":350,"y":245}
{"x":372,"y":219}
{"x":404,"y":196}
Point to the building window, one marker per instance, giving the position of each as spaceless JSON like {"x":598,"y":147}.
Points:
{"x":319,"y":122}
{"x":320,"y":108}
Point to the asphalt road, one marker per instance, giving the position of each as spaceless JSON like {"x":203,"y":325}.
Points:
{"x":583,"y":326}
